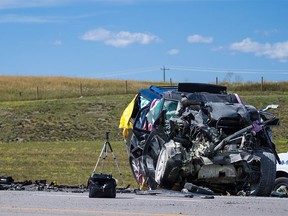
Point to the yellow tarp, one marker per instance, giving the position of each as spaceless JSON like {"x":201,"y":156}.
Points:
{"x":126,"y":115}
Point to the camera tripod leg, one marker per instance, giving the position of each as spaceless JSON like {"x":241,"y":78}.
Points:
{"x":105,"y":152}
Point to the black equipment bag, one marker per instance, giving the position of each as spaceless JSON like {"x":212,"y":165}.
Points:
{"x":102,"y":186}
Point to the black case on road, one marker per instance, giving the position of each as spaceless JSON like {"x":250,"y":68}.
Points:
{"x":102,"y":186}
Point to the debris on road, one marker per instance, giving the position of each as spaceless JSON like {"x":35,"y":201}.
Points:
{"x":8,"y":183}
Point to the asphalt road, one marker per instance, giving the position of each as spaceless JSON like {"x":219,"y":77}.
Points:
{"x":27,"y":203}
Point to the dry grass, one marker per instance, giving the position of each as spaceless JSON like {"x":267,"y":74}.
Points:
{"x":18,"y":88}
{"x":257,"y":86}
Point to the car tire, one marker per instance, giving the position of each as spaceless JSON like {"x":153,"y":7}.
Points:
{"x":163,"y":170}
{"x":267,"y":177}
{"x":168,"y":167}
{"x":151,"y":151}
{"x":281,"y":185}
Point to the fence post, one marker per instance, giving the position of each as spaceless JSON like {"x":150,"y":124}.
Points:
{"x":126,"y":86}
{"x":262,"y":83}
{"x":81,"y":89}
{"x":37,"y":93}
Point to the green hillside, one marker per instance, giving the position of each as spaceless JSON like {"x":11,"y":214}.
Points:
{"x":80,"y":119}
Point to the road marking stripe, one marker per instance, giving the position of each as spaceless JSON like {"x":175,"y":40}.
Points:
{"x":86,"y":211}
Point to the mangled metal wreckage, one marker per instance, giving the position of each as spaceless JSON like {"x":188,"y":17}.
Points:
{"x":200,"y":134}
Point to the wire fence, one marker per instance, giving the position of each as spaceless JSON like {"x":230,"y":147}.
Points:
{"x":74,"y":89}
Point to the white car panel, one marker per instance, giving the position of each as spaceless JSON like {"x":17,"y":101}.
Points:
{"x":284,"y":162}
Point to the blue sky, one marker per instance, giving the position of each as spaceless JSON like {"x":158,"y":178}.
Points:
{"x":195,"y":40}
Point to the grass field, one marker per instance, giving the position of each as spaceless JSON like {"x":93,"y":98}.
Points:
{"x":64,"y":162}
{"x":58,"y":135}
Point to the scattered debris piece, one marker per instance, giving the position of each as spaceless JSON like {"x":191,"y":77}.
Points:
{"x":170,"y":193}
{"x":197,"y":189}
{"x":8,"y":183}
{"x":277,"y":194}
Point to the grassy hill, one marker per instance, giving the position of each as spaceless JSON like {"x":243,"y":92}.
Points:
{"x":80,"y":119}
{"x":54,"y":127}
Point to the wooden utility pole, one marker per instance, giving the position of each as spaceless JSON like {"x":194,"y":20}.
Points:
{"x":164,"y":69}
{"x":262,"y":83}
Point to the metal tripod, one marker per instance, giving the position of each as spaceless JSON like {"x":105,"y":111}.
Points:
{"x":105,"y":152}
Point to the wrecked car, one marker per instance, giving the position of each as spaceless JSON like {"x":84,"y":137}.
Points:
{"x":198,"y":133}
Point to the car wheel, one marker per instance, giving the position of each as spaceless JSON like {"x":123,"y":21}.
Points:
{"x":151,"y":151}
{"x":264,"y":186}
{"x":168,"y":166}
{"x":281,"y":185}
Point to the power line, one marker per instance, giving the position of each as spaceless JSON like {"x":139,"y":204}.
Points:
{"x":225,"y":70}
{"x":192,"y":69}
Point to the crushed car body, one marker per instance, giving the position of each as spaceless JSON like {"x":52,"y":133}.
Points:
{"x":198,"y":133}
